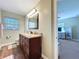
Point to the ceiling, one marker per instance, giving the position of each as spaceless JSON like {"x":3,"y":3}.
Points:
{"x":67,"y":8}
{"x":18,"y":6}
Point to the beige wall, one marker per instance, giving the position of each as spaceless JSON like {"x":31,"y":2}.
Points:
{"x":47,"y":26}
{"x":13,"y":33}
{"x":54,"y":30}
{"x":0,"y":16}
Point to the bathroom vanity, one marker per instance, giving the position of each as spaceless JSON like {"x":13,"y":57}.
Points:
{"x":30,"y":45}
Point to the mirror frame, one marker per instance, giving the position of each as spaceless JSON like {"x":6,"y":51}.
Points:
{"x":37,"y":21}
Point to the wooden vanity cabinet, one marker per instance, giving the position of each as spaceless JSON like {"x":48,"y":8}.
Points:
{"x":31,"y":47}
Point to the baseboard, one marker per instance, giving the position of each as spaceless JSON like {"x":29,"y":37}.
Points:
{"x":44,"y":57}
{"x":7,"y":44}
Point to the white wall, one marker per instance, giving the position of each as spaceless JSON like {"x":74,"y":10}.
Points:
{"x":73,"y":23}
{"x":13,"y":33}
{"x":47,"y":26}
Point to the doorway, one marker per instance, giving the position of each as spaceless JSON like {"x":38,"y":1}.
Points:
{"x":68,"y":29}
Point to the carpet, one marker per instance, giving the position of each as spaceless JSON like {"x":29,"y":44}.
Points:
{"x":69,"y":49}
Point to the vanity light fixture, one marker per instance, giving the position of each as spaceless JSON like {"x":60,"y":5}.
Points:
{"x":32,"y":13}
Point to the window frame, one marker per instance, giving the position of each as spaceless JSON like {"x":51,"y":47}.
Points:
{"x":6,"y":24}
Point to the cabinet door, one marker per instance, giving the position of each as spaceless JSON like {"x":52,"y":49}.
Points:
{"x":35,"y":48}
{"x":26,"y":44}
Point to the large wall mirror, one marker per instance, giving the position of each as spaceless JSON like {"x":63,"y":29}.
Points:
{"x":33,"y":22}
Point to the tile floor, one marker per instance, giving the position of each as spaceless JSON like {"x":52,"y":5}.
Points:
{"x":11,"y":53}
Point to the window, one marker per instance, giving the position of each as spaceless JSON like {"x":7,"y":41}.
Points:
{"x":11,"y":24}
